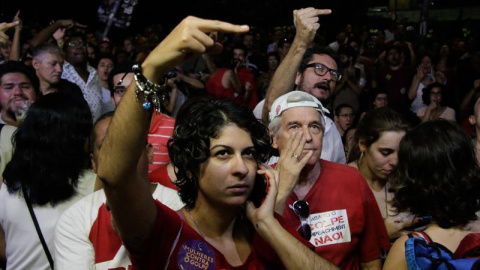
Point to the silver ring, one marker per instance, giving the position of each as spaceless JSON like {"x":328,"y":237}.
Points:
{"x":295,"y":156}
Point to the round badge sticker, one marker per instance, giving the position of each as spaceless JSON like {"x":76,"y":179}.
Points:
{"x":196,"y":254}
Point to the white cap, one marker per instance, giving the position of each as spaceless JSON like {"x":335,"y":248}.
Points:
{"x":295,"y":99}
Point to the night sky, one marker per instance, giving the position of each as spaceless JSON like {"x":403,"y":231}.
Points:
{"x":261,"y":13}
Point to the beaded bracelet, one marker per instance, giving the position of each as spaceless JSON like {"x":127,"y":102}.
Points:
{"x":152,"y":93}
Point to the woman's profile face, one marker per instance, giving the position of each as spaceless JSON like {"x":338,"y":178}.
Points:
{"x":381,"y":157}
{"x":227,"y":177}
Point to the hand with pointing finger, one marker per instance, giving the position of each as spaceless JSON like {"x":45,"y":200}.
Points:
{"x":3,"y":28}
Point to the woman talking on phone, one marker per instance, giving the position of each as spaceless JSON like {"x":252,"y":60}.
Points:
{"x":217,"y":147}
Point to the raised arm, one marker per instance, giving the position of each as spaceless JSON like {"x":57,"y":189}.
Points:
{"x":128,"y":195}
{"x":412,"y":92}
{"x":306,"y":23}
{"x":16,"y":46}
{"x":48,"y":31}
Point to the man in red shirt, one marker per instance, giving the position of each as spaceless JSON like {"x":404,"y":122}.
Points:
{"x":331,"y":203}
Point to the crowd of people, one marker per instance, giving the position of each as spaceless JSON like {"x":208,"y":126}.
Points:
{"x":205,"y":148}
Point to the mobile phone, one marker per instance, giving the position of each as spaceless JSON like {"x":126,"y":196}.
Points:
{"x":259,"y":191}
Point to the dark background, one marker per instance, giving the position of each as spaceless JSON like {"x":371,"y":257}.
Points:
{"x":262,"y":14}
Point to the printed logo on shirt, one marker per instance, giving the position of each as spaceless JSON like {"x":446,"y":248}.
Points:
{"x":196,"y":254}
{"x":329,"y":228}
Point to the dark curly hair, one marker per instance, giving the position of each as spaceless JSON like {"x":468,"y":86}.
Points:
{"x":437,"y":174}
{"x":429,"y":88}
{"x":372,"y":125}
{"x":317,"y":49}
{"x":199,"y":120}
{"x":50,"y":149}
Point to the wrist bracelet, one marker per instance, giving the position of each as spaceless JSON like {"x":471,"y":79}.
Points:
{"x":152,"y":93}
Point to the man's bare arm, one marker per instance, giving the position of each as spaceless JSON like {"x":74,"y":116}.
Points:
{"x":306,"y":23}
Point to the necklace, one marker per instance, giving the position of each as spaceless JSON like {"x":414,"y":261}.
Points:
{"x":196,"y":225}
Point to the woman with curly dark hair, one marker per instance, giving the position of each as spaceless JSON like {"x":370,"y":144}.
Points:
{"x":217,"y":150}
{"x":49,"y":159}
{"x":437,"y":175}
{"x":436,"y":104}
{"x":199,"y":121}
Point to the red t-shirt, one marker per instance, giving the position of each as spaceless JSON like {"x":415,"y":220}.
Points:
{"x":246,"y":76}
{"x":178,"y":246}
{"x":215,"y":88}
{"x":347,"y":226}
{"x":160,"y":175}
{"x":161,"y":130}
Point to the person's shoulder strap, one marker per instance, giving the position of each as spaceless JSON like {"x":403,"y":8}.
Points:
{"x":420,"y":235}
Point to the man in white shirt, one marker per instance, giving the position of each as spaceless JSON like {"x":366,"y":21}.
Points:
{"x":85,"y":236}
{"x":77,"y":70}
{"x":313,"y":70}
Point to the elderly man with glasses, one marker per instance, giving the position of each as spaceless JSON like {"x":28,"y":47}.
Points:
{"x":330,"y":203}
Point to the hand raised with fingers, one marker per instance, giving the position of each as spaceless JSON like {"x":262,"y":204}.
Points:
{"x":17,"y":18}
{"x":307,"y":23}
{"x":420,"y":73}
{"x":3,"y":28}
{"x":291,"y":162}
{"x":189,"y":39}
{"x":60,"y":33}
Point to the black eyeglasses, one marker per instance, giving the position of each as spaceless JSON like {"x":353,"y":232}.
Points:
{"x":79,"y":43}
{"x":321,"y":69}
{"x":302,"y":210}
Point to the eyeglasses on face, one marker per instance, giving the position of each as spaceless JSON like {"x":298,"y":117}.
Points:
{"x":302,"y":210}
{"x":321,"y":69}
{"x":78,"y":43}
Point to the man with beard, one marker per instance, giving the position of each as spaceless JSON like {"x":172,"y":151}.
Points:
{"x":309,"y":69}
{"x":77,"y":70}
{"x":17,"y":85}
